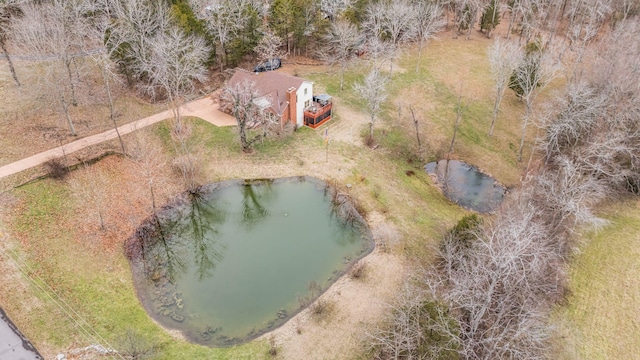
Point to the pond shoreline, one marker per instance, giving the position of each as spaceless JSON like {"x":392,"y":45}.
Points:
{"x":466,"y":185}
{"x":134,"y":250}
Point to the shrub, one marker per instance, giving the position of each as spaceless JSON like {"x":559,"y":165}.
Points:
{"x":273,"y":348}
{"x":56,"y":168}
{"x":464,"y":231}
{"x":358,"y":270}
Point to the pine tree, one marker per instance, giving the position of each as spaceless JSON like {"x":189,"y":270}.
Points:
{"x":464,"y":18}
{"x":490,"y":18}
{"x":527,"y":68}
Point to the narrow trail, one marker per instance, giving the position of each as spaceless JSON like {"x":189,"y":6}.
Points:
{"x":202,"y":108}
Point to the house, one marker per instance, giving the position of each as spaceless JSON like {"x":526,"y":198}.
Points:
{"x":288,"y":98}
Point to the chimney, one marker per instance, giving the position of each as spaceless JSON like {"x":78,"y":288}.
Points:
{"x":293,"y":104}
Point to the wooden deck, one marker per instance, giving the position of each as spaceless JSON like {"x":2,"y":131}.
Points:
{"x":317,"y":115}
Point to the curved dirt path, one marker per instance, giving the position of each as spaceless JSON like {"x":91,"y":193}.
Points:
{"x":203,"y":108}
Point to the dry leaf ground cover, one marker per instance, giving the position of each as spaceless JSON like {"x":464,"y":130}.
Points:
{"x":33,"y":121}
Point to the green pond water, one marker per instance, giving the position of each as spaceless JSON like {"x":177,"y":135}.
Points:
{"x":242,"y":258}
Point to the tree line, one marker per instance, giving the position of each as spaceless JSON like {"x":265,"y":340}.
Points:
{"x":164,"y":48}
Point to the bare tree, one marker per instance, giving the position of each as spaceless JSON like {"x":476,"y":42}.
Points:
{"x":399,"y":22}
{"x":393,"y":22}
{"x":333,"y":8}
{"x":99,"y":35}
{"x":8,"y":10}
{"x":460,"y":109}
{"x":269,"y":47}
{"x":514,"y":9}
{"x":150,"y":163}
{"x":184,"y":162}
{"x":568,"y":196}
{"x":135,"y":23}
{"x":51,"y":32}
{"x":530,"y":14}
{"x":532,"y":75}
{"x":225,"y":20}
{"x":57,"y":32}
{"x":574,"y":118}
{"x":416,"y":125}
{"x":595,"y":125}
{"x":403,"y":335}
{"x":498,"y":281}
{"x":373,"y":25}
{"x":173,"y":63}
{"x":135,"y":346}
{"x":623,"y":9}
{"x":504,"y":57}
{"x":585,"y":20}
{"x":428,"y":21}
{"x":242,"y":100}
{"x":373,"y":91}
{"x":379,"y":51}
{"x":467,"y":14}
{"x":341,"y":44}
{"x":533,"y":14}
{"x":90,"y":186}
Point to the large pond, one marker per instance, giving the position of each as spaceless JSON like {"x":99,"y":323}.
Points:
{"x":239,"y":258}
{"x":466,"y":185}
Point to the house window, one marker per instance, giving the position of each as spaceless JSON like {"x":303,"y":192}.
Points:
{"x":305,"y":91}
{"x":307,"y":103}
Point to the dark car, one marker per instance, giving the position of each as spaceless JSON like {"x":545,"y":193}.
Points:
{"x":268,"y":65}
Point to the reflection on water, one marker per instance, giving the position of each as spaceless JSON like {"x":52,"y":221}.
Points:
{"x":231,"y":262}
{"x":253,"y":200}
{"x":466,"y":185}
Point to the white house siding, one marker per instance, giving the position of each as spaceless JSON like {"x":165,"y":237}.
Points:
{"x":301,"y":99}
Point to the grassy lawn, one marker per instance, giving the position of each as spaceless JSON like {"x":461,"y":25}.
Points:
{"x":432,"y":92}
{"x":96,"y":283}
{"x":602,"y":317}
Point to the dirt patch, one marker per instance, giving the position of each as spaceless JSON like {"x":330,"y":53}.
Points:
{"x":354,"y":305}
{"x":350,"y":124}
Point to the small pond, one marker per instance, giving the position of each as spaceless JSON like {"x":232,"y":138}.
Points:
{"x":241,"y":257}
{"x":466,"y":185}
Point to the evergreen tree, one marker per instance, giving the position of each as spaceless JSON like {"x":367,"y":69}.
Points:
{"x":356,"y":13}
{"x":529,"y":68}
{"x":464,"y":18}
{"x":248,"y":38}
{"x":282,"y":19}
{"x":490,"y":18}
{"x":186,"y":19}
